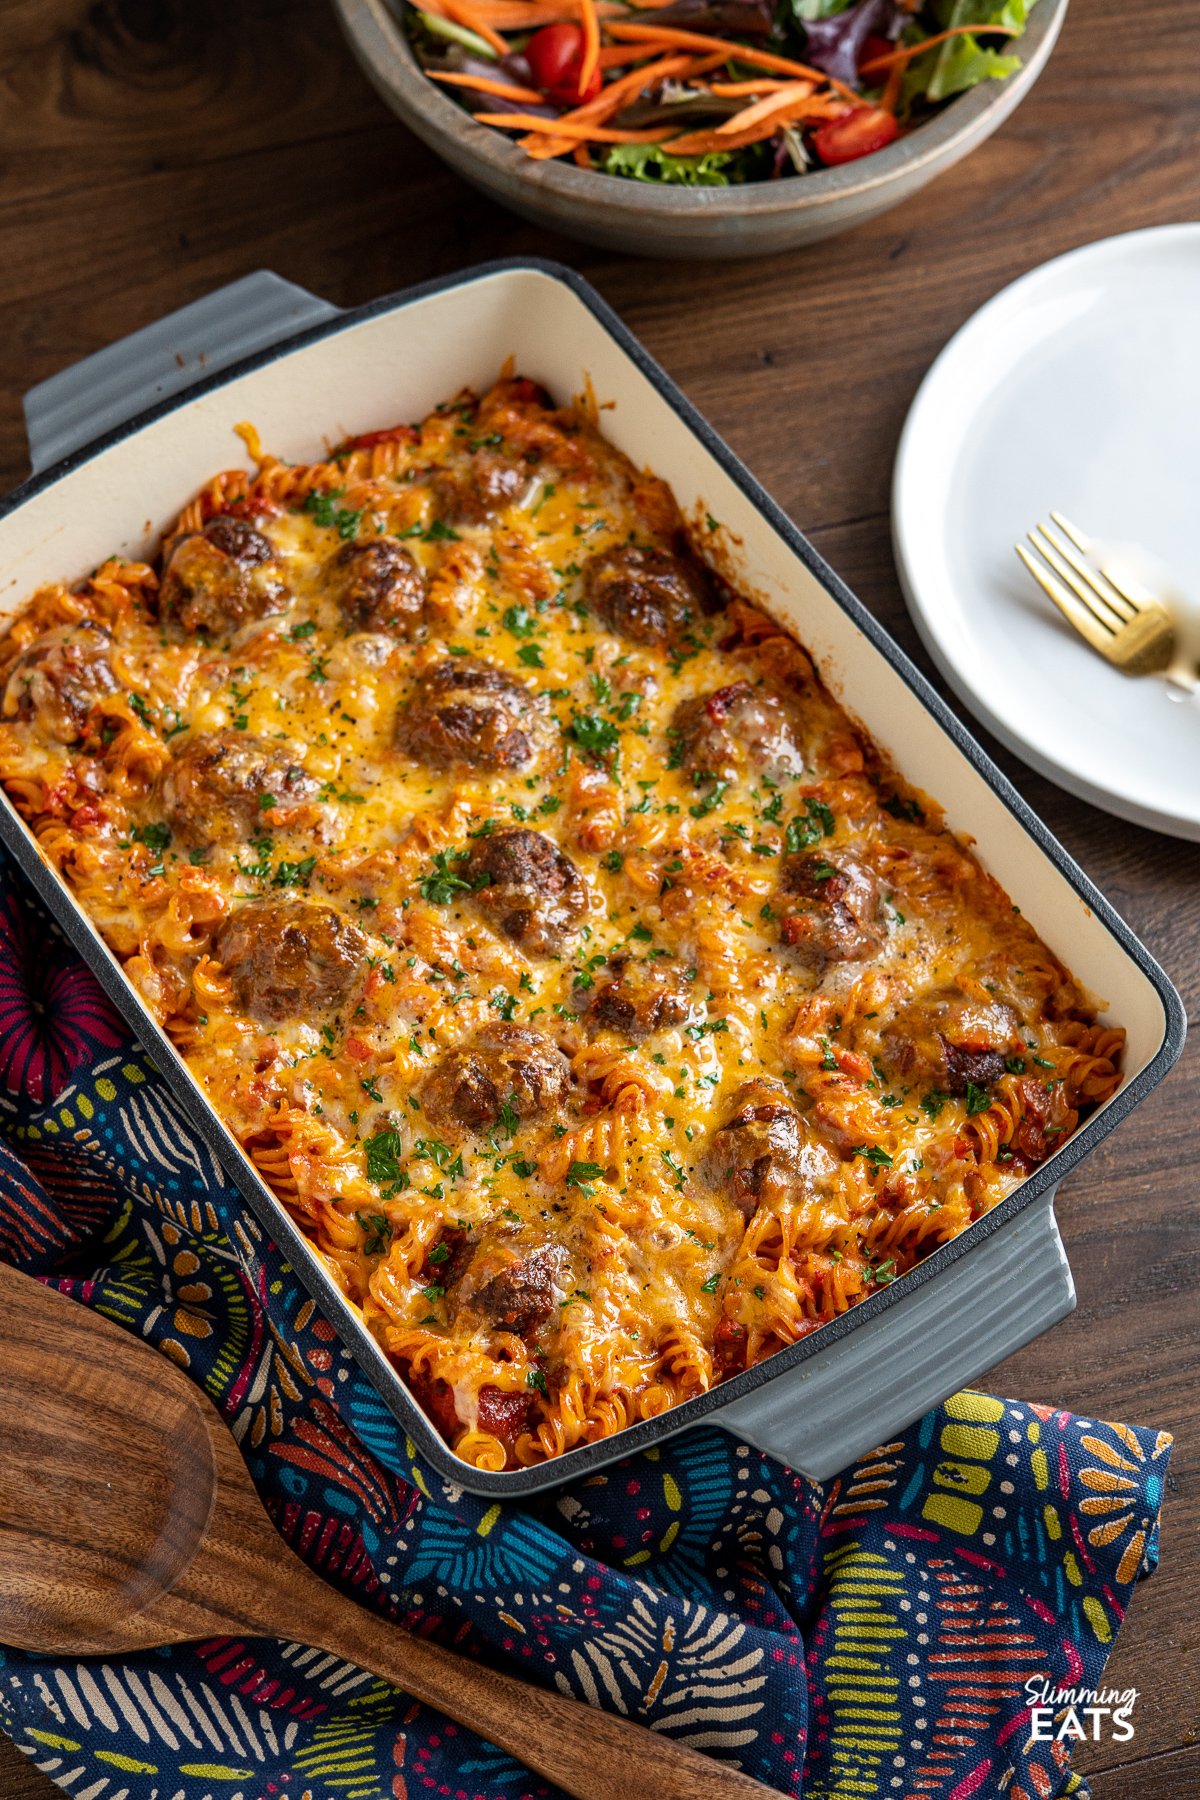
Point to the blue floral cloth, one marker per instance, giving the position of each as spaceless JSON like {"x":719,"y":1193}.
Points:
{"x":873,"y":1637}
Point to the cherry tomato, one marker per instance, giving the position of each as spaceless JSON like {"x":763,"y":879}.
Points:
{"x":873,"y":47}
{"x":856,"y":133}
{"x":555,"y":56}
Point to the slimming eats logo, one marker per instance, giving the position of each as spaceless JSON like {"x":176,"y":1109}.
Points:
{"x":1079,"y":1713}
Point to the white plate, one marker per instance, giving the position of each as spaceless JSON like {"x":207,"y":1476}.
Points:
{"x":1077,"y":389}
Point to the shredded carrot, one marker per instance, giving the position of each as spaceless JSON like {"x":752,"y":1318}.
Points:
{"x":763,"y":84}
{"x":896,"y":59}
{"x":765,"y":108}
{"x":667,"y":37}
{"x":485,"y":85}
{"x":549,"y":143}
{"x":590,"y":61}
{"x":464,"y":12}
{"x":585,"y":133}
{"x":615,"y":56}
{"x":582,"y":156}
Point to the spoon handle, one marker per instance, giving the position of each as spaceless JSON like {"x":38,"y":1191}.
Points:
{"x":591,"y":1754}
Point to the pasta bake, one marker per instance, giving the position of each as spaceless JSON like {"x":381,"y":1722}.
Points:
{"x":604,"y":1006}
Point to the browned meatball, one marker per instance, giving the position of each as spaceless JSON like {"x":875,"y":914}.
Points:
{"x":646,"y":595}
{"x":218,"y":579}
{"x":946,"y":1040}
{"x":832,"y":909}
{"x":489,"y":483}
{"x":637,"y":997}
{"x":290,"y":959}
{"x":765,"y":1154}
{"x":60,"y":677}
{"x":528,"y":888}
{"x":504,"y":1066}
{"x":467,"y":711}
{"x":738,"y":729}
{"x":379,"y":586}
{"x":217,"y":788}
{"x":513,"y":1286}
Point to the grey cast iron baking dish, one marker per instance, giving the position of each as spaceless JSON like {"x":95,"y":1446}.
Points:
{"x":121,"y":441}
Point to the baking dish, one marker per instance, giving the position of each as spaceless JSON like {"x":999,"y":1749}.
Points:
{"x":306,"y":373}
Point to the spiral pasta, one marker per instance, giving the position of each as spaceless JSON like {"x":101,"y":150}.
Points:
{"x":605,"y":1009}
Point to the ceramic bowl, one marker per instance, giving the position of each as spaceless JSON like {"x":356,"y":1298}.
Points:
{"x":755,"y":220}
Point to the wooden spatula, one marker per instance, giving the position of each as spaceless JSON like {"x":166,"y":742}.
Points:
{"x":127,"y":1520}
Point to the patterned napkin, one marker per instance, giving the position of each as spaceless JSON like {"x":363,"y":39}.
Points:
{"x":874,"y":1637}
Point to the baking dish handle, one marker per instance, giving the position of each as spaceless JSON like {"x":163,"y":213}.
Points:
{"x":876,"y":1380}
{"x":82,"y":403}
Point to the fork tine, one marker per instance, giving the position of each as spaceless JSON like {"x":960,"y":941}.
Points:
{"x":1073,"y":532}
{"x":1078,"y":578}
{"x":1099,"y":636}
{"x":1092,"y":578}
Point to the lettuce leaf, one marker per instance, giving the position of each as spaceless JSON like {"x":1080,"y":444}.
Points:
{"x":650,"y":162}
{"x":963,"y":62}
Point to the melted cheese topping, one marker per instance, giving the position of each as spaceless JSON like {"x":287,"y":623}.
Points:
{"x":792,"y":1038}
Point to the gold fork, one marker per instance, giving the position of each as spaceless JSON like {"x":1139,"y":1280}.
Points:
{"x":1124,"y":621}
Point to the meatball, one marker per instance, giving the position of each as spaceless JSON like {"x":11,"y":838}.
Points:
{"x":378,"y":586}
{"x":220,"y":578}
{"x":739,"y":728}
{"x":946,"y":1040}
{"x":290,"y":959}
{"x":502,"y":1066}
{"x":215,"y":788}
{"x":646,"y":595}
{"x":469,"y":712}
{"x":636,"y":997}
{"x":60,"y":677}
{"x":765,"y":1154}
{"x":831,"y":909}
{"x":512,"y":1286}
{"x":528,"y":888}
{"x":485,"y":487}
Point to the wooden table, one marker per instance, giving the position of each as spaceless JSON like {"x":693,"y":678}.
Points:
{"x":153,"y":149}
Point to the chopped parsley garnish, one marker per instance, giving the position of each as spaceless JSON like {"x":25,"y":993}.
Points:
{"x":322,"y":506}
{"x":872,"y":1153}
{"x":433,"y":533}
{"x":383,"y":1157}
{"x":711,"y":1285}
{"x":809,"y":827}
{"x":904,"y":809}
{"x":535,"y":1378}
{"x":378,"y":1230}
{"x":595,"y":735}
{"x":978,"y":1099}
{"x":932,"y":1103}
{"x":155,"y":837}
{"x":441,"y":884}
{"x":295,"y":874}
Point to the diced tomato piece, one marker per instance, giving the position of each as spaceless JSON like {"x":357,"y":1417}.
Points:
{"x":504,"y":1415}
{"x":86,"y":817}
{"x":859,"y":132}
{"x":729,"y":1348}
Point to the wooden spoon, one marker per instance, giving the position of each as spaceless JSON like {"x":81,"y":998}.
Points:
{"x":127,"y":1520}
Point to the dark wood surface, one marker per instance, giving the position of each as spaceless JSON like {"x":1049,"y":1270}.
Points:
{"x":152,"y":149}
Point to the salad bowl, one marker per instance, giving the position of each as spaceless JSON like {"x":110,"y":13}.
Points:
{"x":655,"y":219}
